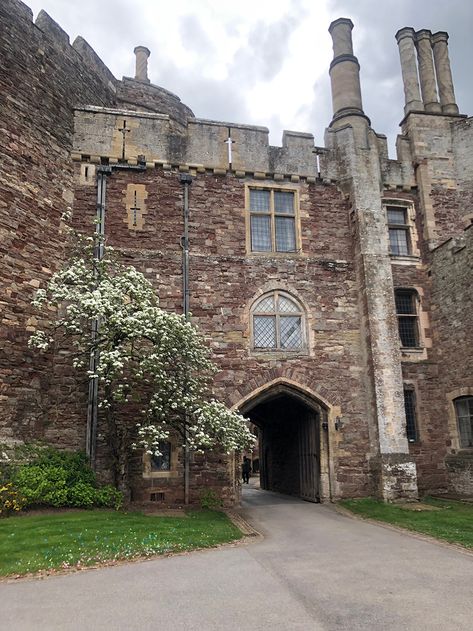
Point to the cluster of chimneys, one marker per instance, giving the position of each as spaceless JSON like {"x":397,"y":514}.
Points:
{"x":435,"y":84}
{"x":424,"y":59}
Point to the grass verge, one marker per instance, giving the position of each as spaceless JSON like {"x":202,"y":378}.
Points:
{"x":453,"y":522}
{"x":32,"y":543}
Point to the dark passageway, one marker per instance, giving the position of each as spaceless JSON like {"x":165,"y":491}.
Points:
{"x":288,"y":444}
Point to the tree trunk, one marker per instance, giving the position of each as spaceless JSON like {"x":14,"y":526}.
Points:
{"x":118,"y":435}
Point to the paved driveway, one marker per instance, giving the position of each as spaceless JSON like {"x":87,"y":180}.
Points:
{"x":315,"y":569}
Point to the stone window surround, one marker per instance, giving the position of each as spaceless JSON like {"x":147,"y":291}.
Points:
{"x":466,"y":391}
{"x":172,"y":472}
{"x":289,"y":188}
{"x":305,"y":324}
{"x":407,"y":204}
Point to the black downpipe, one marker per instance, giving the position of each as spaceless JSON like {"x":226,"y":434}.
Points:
{"x":92,"y":403}
{"x":99,"y":250}
{"x":186,"y":181}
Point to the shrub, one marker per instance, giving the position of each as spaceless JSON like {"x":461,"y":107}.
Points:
{"x":209,"y":499}
{"x":10,"y":499}
{"x":61,"y":478}
{"x":45,"y":485}
{"x":109,"y":497}
{"x":74,"y":465}
{"x":82,"y":495}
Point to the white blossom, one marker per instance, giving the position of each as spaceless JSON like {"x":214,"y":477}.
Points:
{"x":147,"y":356}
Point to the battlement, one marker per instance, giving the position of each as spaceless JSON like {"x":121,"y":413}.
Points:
{"x":119,"y":134}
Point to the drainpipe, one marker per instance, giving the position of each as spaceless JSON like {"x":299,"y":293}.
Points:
{"x":186,"y":181}
{"x":99,"y":250}
{"x":92,"y":402}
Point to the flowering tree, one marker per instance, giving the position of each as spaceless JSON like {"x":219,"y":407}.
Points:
{"x":147,"y":360}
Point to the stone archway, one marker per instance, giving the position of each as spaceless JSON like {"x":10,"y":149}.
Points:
{"x":291,"y":426}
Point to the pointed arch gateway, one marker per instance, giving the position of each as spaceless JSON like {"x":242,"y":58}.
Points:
{"x":293,"y":448}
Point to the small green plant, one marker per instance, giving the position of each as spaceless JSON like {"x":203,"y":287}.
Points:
{"x":11,"y":500}
{"x":210,"y":500}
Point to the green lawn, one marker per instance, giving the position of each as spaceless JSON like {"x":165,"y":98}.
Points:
{"x":453,"y":522}
{"x":29,"y":543}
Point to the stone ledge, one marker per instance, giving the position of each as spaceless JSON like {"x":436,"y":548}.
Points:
{"x":202,"y":169}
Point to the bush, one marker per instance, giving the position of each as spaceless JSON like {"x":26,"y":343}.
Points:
{"x":82,"y":495}
{"x":109,"y":497}
{"x":209,"y":499}
{"x":74,"y":465}
{"x":10,"y":499}
{"x":61,"y":479}
{"x":42,"y":485}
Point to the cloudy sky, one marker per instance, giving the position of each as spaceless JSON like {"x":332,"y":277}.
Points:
{"x":265,"y":62}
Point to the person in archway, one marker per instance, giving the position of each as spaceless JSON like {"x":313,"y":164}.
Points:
{"x":246,"y":470}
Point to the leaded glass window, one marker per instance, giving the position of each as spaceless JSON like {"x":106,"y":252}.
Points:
{"x":399,"y":232}
{"x":272,"y":220}
{"x":163,"y":461}
{"x":277,"y":323}
{"x":406,"y":309}
{"x":464,"y":412}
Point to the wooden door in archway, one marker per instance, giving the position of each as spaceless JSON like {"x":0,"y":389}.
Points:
{"x":309,"y":458}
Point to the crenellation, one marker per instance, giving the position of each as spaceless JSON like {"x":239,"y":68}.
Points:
{"x":52,"y":29}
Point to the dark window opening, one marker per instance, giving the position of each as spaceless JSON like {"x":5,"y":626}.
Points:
{"x":156,"y":496}
{"x":411,"y":416}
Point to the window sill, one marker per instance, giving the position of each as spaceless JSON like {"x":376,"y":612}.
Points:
{"x":415,"y":350}
{"x":297,"y":254}
{"x":405,"y":259}
{"x":160,"y":474}
{"x":278,"y":354}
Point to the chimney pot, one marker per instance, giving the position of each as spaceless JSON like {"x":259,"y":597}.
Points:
{"x":142,"y":53}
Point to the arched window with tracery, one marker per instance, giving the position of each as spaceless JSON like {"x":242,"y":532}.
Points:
{"x":277,"y":323}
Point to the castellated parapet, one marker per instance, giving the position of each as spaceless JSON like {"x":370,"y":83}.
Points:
{"x":361,"y":232}
{"x":202,"y":144}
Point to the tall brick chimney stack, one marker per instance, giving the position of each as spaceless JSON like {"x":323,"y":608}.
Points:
{"x":344,"y":73}
{"x":142,"y":53}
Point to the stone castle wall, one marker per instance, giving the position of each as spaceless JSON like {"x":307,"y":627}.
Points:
{"x":64,"y":113}
{"x":225,"y":279}
{"x":452,"y":305}
{"x":41,"y":79}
